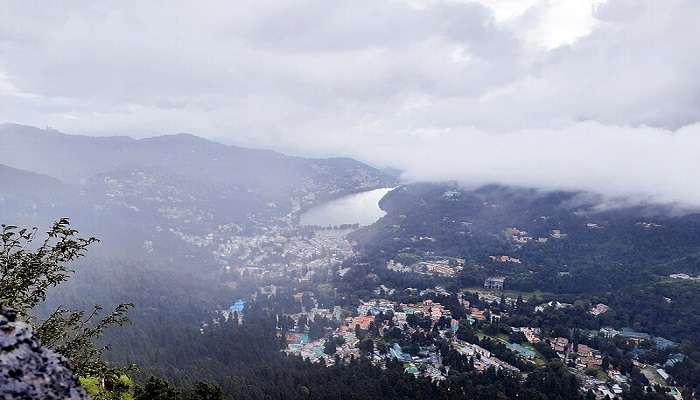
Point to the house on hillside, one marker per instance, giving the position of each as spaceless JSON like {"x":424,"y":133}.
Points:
{"x":599,"y":309}
{"x":494,"y":282}
{"x":559,"y":344}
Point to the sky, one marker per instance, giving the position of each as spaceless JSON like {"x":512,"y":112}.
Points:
{"x":599,"y":95}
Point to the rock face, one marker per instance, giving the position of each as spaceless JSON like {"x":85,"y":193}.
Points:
{"x":30,"y":371}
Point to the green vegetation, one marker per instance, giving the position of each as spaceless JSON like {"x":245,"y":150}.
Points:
{"x":115,"y":387}
{"x":26,"y":274}
{"x":28,"y":271}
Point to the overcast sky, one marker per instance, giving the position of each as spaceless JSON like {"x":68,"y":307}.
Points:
{"x":601,"y":95}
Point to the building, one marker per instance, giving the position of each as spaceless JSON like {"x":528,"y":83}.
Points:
{"x":375,"y":307}
{"x":557,"y":234}
{"x":494,"y":282}
{"x":636,"y":337}
{"x":477,"y":314}
{"x":237,"y":307}
{"x":663,"y":343}
{"x":297,"y":338}
{"x":270,"y":290}
{"x":552,"y":304}
{"x":599,"y":309}
{"x":505,"y":259}
{"x":396,"y":351}
{"x":609,"y":333}
{"x":589,"y":357}
{"x":442,"y":267}
{"x":560,"y":344}
{"x":362,"y":321}
{"x":674,"y":359}
{"x":531,"y":334}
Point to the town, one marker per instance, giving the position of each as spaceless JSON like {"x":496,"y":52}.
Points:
{"x":437,"y":330}
{"x":297,"y":274}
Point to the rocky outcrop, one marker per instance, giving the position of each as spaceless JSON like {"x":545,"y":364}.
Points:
{"x":30,"y":371}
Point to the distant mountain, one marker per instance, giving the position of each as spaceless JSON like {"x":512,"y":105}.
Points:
{"x":75,"y":159}
{"x":27,"y":197}
{"x":161,"y":191}
{"x":17,"y":181}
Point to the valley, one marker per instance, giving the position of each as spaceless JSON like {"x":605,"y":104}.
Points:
{"x":339,"y":271}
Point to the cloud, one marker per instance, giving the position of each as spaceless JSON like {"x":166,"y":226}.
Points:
{"x":596,"y":95}
{"x":647,"y":164}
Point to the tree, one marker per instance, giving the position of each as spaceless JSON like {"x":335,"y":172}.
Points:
{"x":330,"y":346}
{"x":366,"y":346}
{"x":156,"y":389}
{"x":555,"y":381}
{"x":26,"y":275}
{"x":206,"y":391}
{"x":27,"y":271}
{"x":73,"y":333}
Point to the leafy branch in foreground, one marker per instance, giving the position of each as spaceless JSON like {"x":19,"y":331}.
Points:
{"x":28,"y":270}
{"x":73,"y":334}
{"x":26,"y":274}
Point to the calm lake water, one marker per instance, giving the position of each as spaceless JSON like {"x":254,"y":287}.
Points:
{"x":359,"y":208}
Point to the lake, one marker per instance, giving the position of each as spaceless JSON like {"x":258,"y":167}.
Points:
{"x":358,"y":208}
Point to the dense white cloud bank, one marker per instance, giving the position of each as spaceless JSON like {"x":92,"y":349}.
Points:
{"x":576,"y":94}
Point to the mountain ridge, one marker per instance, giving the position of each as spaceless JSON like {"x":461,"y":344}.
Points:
{"x":166,"y":188}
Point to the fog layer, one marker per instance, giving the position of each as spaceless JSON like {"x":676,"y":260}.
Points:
{"x":574,"y":94}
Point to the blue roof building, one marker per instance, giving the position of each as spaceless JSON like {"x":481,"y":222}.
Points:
{"x":238,"y":306}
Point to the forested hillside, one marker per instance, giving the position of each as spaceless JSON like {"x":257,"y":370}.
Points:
{"x":564,"y":242}
{"x":640,"y":260}
{"x":163,"y":197}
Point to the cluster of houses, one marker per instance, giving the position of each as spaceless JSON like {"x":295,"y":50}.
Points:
{"x":518,"y":236}
{"x":483,"y":359}
{"x":505,"y":259}
{"x":314,"y":351}
{"x":442,"y":267}
{"x":382,"y":316}
{"x":521,"y":237}
{"x":585,"y":358}
{"x":439,"y":267}
{"x":282,"y":253}
{"x":426,"y":363}
{"x":401,"y":311}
